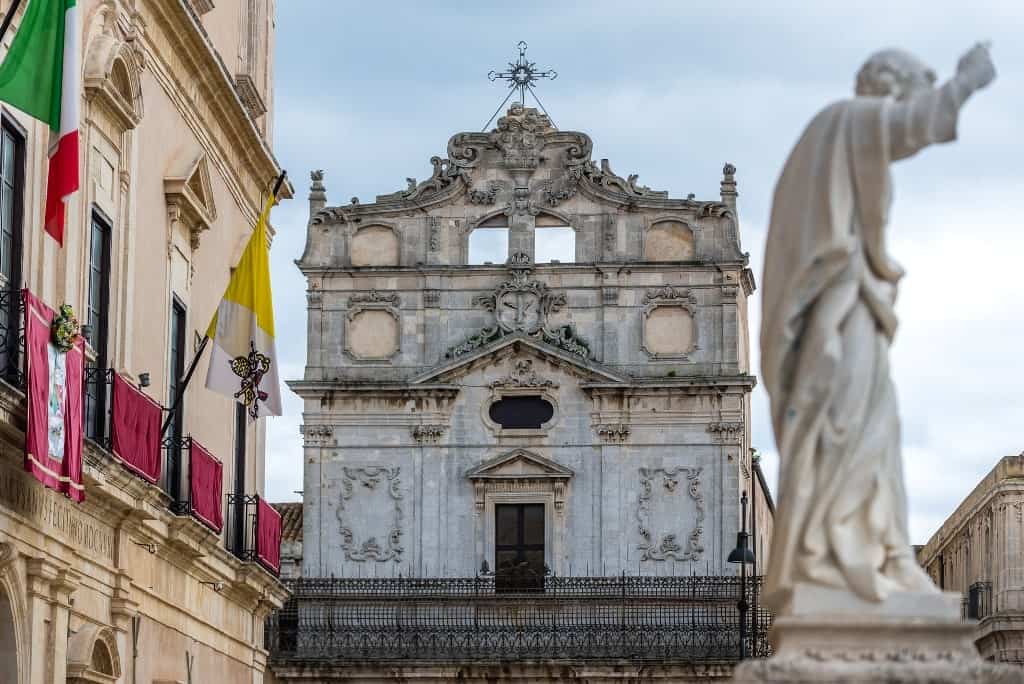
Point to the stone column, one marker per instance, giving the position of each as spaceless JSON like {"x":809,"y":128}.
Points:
{"x":520,"y":235}
{"x":61,"y":589}
{"x":730,"y":327}
{"x":40,"y":574}
{"x":1010,"y":592}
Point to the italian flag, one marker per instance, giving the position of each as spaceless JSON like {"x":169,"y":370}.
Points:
{"x":40,"y":76}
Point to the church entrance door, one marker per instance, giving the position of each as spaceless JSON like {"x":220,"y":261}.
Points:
{"x":519,"y":547}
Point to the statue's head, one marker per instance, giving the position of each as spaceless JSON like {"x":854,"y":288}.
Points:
{"x":894,"y":73}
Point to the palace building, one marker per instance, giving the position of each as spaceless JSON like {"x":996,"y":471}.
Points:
{"x":978,"y":552}
{"x":143,"y":580}
{"x":527,"y":389}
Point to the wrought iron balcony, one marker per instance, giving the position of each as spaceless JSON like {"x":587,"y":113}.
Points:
{"x":176,"y":460}
{"x":241,"y":524}
{"x":663,"y":619}
{"x":96,"y":385}
{"x":12,"y":338}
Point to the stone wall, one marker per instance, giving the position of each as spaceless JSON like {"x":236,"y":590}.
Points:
{"x":639,"y":345}
{"x":978,"y":552}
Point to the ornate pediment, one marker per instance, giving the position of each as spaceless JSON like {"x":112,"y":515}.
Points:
{"x":522,"y":141}
{"x":519,"y":464}
{"x":189,"y":197}
{"x":523,"y":305}
{"x":521,"y":347}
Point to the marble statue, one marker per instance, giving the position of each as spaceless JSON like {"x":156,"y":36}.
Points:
{"x":828,"y":321}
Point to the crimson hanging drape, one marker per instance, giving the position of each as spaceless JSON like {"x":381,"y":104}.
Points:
{"x":206,"y":483}
{"x":53,"y":393}
{"x":268,"y":536}
{"x":136,"y":430}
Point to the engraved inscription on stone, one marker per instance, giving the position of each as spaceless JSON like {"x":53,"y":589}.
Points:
{"x":54,"y":513}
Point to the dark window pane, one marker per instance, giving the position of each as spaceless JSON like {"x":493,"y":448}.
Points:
{"x":9,"y":143}
{"x":505,"y":560}
{"x":534,"y":562}
{"x":521,"y":412}
{"x":533,"y":524}
{"x":507,"y":525}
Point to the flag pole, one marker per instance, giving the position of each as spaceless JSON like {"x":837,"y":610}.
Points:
{"x":184,"y":385}
{"x":202,"y":347}
{"x":8,"y":18}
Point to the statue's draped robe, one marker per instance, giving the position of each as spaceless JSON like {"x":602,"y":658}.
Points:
{"x":828,"y":320}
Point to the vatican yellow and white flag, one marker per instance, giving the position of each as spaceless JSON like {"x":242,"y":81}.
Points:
{"x":244,"y":360}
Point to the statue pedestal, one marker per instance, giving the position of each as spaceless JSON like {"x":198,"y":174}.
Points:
{"x":826,"y":635}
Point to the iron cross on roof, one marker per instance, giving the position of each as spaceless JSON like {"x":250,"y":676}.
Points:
{"x":521,"y":75}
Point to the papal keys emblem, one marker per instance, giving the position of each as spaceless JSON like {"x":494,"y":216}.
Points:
{"x":251,"y":370}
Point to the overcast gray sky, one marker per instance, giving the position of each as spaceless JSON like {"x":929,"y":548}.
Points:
{"x":671,"y":90}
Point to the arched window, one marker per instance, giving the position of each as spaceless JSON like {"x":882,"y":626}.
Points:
{"x":488,"y":243}
{"x":553,"y":241}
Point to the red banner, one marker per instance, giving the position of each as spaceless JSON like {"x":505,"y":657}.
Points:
{"x":53,"y":432}
{"x":268,"y":536}
{"x":136,"y":430}
{"x":206,"y":482}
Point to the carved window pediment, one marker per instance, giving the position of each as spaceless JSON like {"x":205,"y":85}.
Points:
{"x":520,"y":471}
{"x":190,"y":199}
{"x":111,"y":67}
{"x":93,"y":656}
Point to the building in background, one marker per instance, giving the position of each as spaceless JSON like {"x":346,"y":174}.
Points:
{"x":979,"y":552}
{"x":526,"y":422}
{"x":137,"y":583}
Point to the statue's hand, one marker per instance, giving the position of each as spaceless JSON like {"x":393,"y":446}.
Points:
{"x":976,"y":67}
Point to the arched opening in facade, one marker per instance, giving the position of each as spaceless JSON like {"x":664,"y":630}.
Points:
{"x":488,"y":243}
{"x":8,"y":643}
{"x":553,"y":241}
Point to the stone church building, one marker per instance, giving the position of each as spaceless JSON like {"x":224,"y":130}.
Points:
{"x":473,"y":404}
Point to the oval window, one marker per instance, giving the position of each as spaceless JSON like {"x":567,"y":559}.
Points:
{"x":521,"y":413}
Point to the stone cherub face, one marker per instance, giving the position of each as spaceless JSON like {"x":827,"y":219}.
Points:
{"x":894,"y":73}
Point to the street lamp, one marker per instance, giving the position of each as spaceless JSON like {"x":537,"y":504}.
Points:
{"x":742,"y":555}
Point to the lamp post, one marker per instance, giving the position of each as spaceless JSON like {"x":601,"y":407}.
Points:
{"x":742,"y":555}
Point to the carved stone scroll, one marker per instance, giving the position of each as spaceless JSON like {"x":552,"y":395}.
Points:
{"x":663,"y":483}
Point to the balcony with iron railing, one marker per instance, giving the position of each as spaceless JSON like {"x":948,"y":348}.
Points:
{"x":97,"y":387}
{"x":977,"y":603}
{"x":470,"y":620}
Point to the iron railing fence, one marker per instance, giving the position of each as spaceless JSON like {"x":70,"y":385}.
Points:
{"x":680,"y":619}
{"x":241,"y":525}
{"x":12,"y":338}
{"x":177,"y":451}
{"x":97,"y":385}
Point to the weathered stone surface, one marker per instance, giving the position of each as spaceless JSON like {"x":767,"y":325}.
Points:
{"x":639,"y":345}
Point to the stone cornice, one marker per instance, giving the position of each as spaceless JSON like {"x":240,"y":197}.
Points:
{"x":195,"y":79}
{"x":501,"y":269}
{"x":694,"y":384}
{"x":312,"y":389}
{"x":122,"y":500}
{"x":1007,"y":477}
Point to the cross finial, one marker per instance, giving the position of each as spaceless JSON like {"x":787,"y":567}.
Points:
{"x":522,"y":75}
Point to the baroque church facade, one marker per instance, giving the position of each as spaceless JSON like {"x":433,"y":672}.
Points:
{"x":514,"y":413}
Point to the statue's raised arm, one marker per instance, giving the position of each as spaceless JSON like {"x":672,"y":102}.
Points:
{"x":829,"y":289}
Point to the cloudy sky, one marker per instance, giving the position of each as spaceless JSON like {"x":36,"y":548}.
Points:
{"x":672,"y":90}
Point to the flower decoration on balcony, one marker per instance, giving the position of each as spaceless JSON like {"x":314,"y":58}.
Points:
{"x":66,"y":330}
